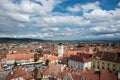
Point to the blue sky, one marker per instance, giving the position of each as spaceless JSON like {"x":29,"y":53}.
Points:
{"x":60,"y":19}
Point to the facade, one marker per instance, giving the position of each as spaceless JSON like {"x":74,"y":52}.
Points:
{"x":78,"y":64}
{"x":60,"y":49}
{"x":81,"y":61}
{"x":103,"y":64}
{"x":106,"y":60}
{"x":19,"y":58}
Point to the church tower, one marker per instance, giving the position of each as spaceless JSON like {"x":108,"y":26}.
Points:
{"x":60,"y":49}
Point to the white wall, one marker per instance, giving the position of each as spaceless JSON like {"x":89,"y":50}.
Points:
{"x":10,"y":61}
{"x":60,"y":50}
{"x":19,"y":61}
{"x":80,"y":65}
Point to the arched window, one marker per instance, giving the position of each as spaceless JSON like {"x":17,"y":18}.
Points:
{"x":113,"y":67}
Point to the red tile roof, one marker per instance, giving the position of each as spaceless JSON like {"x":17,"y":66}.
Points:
{"x":19,"y":73}
{"x":81,"y":57}
{"x":53,"y":69}
{"x":74,"y":52}
{"x":19,"y":56}
{"x":37,"y":74}
{"x":50,"y":57}
{"x":71,"y":52}
{"x":95,"y":75}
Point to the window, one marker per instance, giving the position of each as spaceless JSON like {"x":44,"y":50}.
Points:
{"x":93,"y":66}
{"x":103,"y":68}
{"x":98,"y":67}
{"x":114,"y":67}
{"x":103,"y":65}
{"x":98,"y":62}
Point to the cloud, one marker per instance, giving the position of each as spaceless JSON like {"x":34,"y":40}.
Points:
{"x":75,"y":8}
{"x":84,"y":7}
{"x":104,"y":22}
{"x":90,"y":6}
{"x":26,"y":8}
{"x":65,"y":20}
{"x":38,"y":19}
{"x":119,"y":4}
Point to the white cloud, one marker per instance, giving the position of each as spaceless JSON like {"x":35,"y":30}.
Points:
{"x":75,"y":8}
{"x":43,"y":23}
{"x":53,"y":29}
{"x":84,"y":7}
{"x":90,"y":6}
{"x":119,"y":4}
{"x":98,"y":15}
{"x":26,"y":8}
{"x":65,"y":20}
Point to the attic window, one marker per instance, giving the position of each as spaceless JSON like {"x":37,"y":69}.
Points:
{"x":118,"y":54}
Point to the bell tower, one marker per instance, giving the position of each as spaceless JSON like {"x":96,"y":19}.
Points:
{"x":60,"y":49}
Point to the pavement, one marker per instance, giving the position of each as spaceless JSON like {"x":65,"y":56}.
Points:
{"x":28,"y":67}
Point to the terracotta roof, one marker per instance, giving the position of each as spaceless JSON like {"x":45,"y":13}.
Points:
{"x":53,"y":69}
{"x":71,"y":52}
{"x":19,"y":56}
{"x":102,"y":74}
{"x":90,"y":74}
{"x":19,"y":73}
{"x":37,"y":74}
{"x":108,"y":56}
{"x":76,"y":76}
{"x":50,"y":57}
{"x":81,"y":57}
{"x":74,"y":52}
{"x":108,"y":75}
{"x":74,"y":73}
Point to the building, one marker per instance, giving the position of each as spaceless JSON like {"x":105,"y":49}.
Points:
{"x":19,"y":74}
{"x":60,"y":49}
{"x":99,"y":75}
{"x":37,"y":74}
{"x":19,"y":58}
{"x":52,"y":71}
{"x":51,"y":58}
{"x":80,"y":60}
{"x":61,"y":72}
{"x":106,"y":60}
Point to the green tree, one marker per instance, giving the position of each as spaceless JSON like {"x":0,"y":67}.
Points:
{"x":35,"y":57}
{"x":47,"y":62}
{"x":15,"y":63}
{"x":79,"y":46}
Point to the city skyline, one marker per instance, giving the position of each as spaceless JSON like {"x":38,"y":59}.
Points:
{"x":60,"y":19}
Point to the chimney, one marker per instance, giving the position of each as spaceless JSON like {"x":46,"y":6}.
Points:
{"x":118,"y":75}
{"x":62,"y":67}
{"x":26,"y":69}
{"x":97,"y":71}
{"x":11,"y":72}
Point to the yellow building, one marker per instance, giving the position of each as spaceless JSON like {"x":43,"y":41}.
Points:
{"x":106,"y":60}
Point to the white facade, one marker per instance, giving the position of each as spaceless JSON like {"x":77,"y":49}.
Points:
{"x":19,"y":61}
{"x":60,"y":50}
{"x":19,"y":78}
{"x":81,"y":65}
{"x":10,"y":61}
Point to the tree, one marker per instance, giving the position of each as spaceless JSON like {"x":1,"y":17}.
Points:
{"x":15,"y":63}
{"x":47,"y":62}
{"x":39,"y":51}
{"x":79,"y":46}
{"x":35,"y":57}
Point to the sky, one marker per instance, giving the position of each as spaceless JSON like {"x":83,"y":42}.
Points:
{"x":60,"y":19}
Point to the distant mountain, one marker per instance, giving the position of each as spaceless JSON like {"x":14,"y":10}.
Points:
{"x":2,"y":40}
{"x":20,"y":40}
